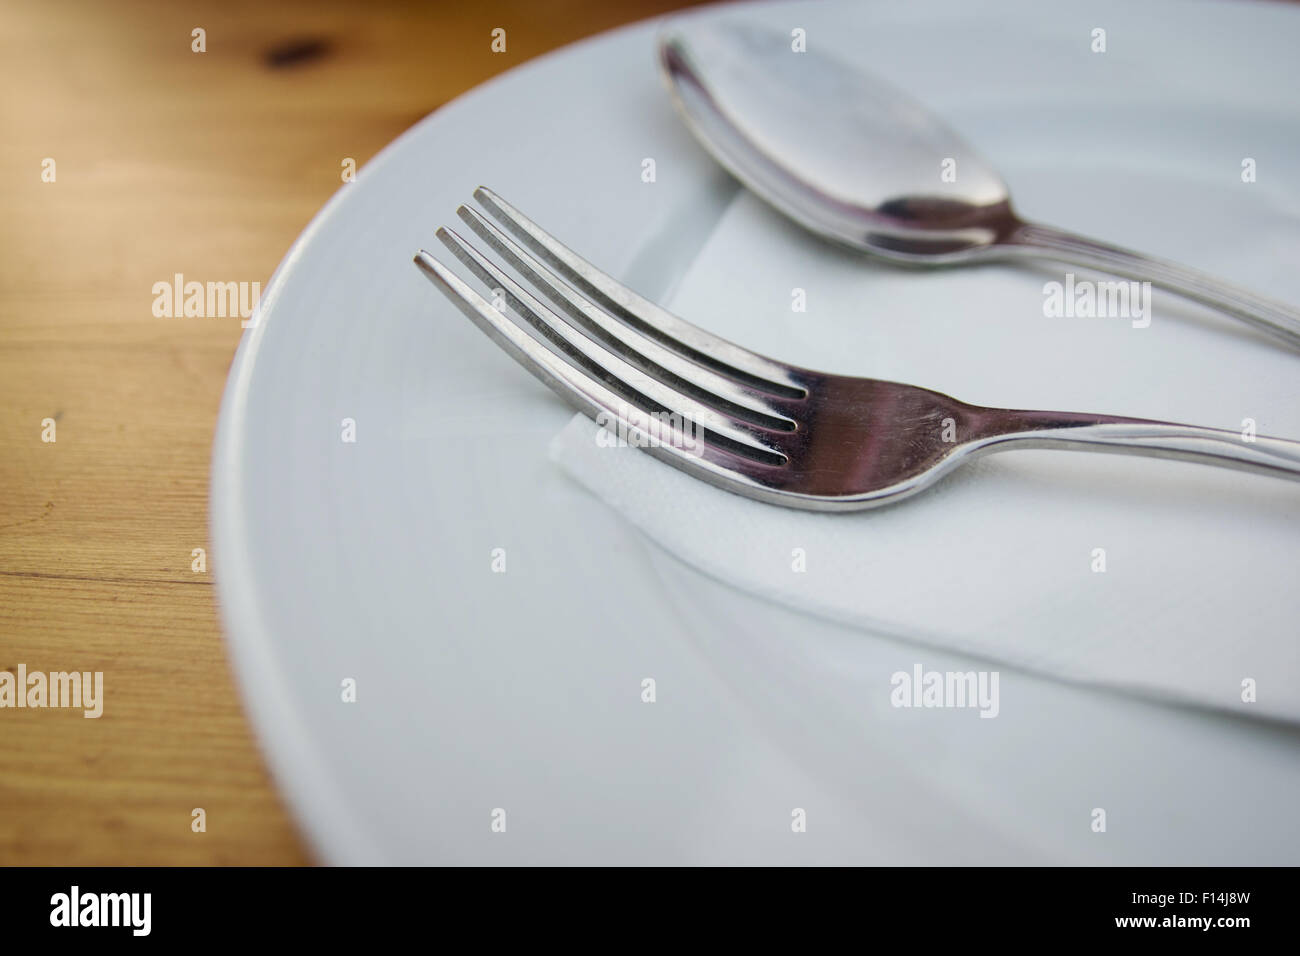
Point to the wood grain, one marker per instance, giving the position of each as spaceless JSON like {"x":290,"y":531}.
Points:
{"x":207,"y":164}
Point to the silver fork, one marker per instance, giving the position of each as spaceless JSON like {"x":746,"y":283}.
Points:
{"x":751,"y":425}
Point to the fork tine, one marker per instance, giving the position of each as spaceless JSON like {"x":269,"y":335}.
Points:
{"x":579,"y":374}
{"x":663,"y":364}
{"x":600,"y":360}
{"x":573,"y":385}
{"x":701,"y":347}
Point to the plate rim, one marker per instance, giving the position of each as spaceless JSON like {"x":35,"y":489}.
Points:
{"x":320,"y":816}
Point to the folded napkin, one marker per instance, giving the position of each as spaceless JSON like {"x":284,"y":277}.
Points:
{"x":1163,"y":578}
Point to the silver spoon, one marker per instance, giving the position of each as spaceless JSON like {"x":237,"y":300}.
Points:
{"x":855,"y":161}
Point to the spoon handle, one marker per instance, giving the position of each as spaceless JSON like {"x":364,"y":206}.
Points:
{"x":1278,"y":320}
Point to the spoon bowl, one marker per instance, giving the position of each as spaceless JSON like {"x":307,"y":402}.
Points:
{"x":846,"y":156}
{"x":855,"y":161}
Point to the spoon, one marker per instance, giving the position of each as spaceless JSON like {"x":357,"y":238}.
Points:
{"x":857,"y":162}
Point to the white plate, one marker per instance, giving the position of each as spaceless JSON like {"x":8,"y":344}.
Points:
{"x":521,"y":691}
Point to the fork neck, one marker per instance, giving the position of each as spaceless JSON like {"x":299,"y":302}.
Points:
{"x":999,"y":429}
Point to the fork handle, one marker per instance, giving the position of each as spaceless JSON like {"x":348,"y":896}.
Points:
{"x":1278,"y":457}
{"x":1268,"y":315}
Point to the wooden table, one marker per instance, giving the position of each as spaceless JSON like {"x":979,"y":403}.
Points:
{"x":167,"y":161}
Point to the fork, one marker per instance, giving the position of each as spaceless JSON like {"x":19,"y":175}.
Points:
{"x":749,"y":424}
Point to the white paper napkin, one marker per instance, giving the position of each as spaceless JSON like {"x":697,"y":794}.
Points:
{"x":1164,"y":578}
